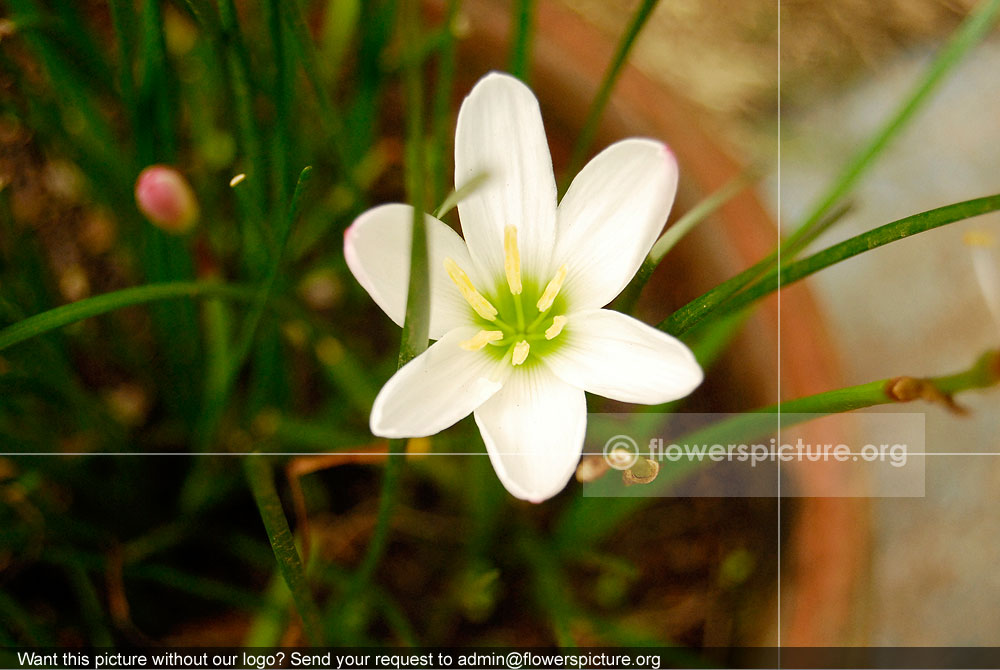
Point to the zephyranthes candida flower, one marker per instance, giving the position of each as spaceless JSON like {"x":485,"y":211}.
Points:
{"x":516,"y":305}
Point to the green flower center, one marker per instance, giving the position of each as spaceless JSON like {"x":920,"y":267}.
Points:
{"x":522,"y":319}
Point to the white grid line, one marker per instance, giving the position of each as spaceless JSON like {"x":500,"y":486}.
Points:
{"x":778,"y":216}
{"x":707,"y":459}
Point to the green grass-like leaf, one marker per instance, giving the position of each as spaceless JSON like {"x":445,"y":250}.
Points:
{"x":970,"y":33}
{"x":101,"y":304}
{"x":586,"y":137}
{"x":684,"y":319}
{"x":587,"y":521}
{"x":417,"y":320}
{"x":520,"y":50}
{"x":261,"y":479}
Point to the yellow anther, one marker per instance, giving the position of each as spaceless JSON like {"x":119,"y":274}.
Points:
{"x":979,"y":238}
{"x":558,"y":323}
{"x":520,"y":352}
{"x":552,"y":290}
{"x":512,"y":259}
{"x":472,"y":296}
{"x":481,"y":339}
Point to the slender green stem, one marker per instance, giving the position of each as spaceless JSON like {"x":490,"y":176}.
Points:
{"x":686,"y":316}
{"x":700,"y":212}
{"x":284,"y":231}
{"x":283,"y":93}
{"x":164,"y":257}
{"x":261,"y":478}
{"x":158,"y":132}
{"x":217,"y":319}
{"x":984,"y":373}
{"x":123,"y":21}
{"x":417,"y":320}
{"x":586,"y":137}
{"x":520,"y":50}
{"x":583,"y":524}
{"x":890,"y":232}
{"x":254,"y":215}
{"x":969,"y":34}
{"x":109,"y":302}
{"x":441,"y":106}
{"x":330,"y":117}
{"x":214,"y":406}
{"x":386,"y":507}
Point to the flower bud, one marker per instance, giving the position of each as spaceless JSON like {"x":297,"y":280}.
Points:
{"x":643,"y":471}
{"x":166,"y":199}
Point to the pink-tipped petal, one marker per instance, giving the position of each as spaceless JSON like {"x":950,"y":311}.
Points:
{"x":611,"y":216}
{"x":377,"y":250}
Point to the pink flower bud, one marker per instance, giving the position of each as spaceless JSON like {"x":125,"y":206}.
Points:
{"x":165,"y":197}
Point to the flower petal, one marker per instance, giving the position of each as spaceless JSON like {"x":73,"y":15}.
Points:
{"x":533,"y":430}
{"x":618,"y":357}
{"x":377,"y":249}
{"x":500,"y":135}
{"x":436,"y":389}
{"x":611,"y":216}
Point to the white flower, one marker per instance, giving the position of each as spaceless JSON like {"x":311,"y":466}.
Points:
{"x":516,"y":306}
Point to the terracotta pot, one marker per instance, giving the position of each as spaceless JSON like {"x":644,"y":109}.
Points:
{"x":825,"y":550}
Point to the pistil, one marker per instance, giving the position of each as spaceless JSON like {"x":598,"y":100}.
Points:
{"x":514,"y":331}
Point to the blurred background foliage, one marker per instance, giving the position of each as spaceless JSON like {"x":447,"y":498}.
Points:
{"x":134,"y":547}
{"x":283,"y":353}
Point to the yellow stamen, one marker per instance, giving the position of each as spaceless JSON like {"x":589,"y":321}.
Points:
{"x":481,"y":339}
{"x":512,"y":259}
{"x":520,"y":352}
{"x":979,"y":238}
{"x":472,"y":296}
{"x":552,"y":290}
{"x":558,"y":323}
